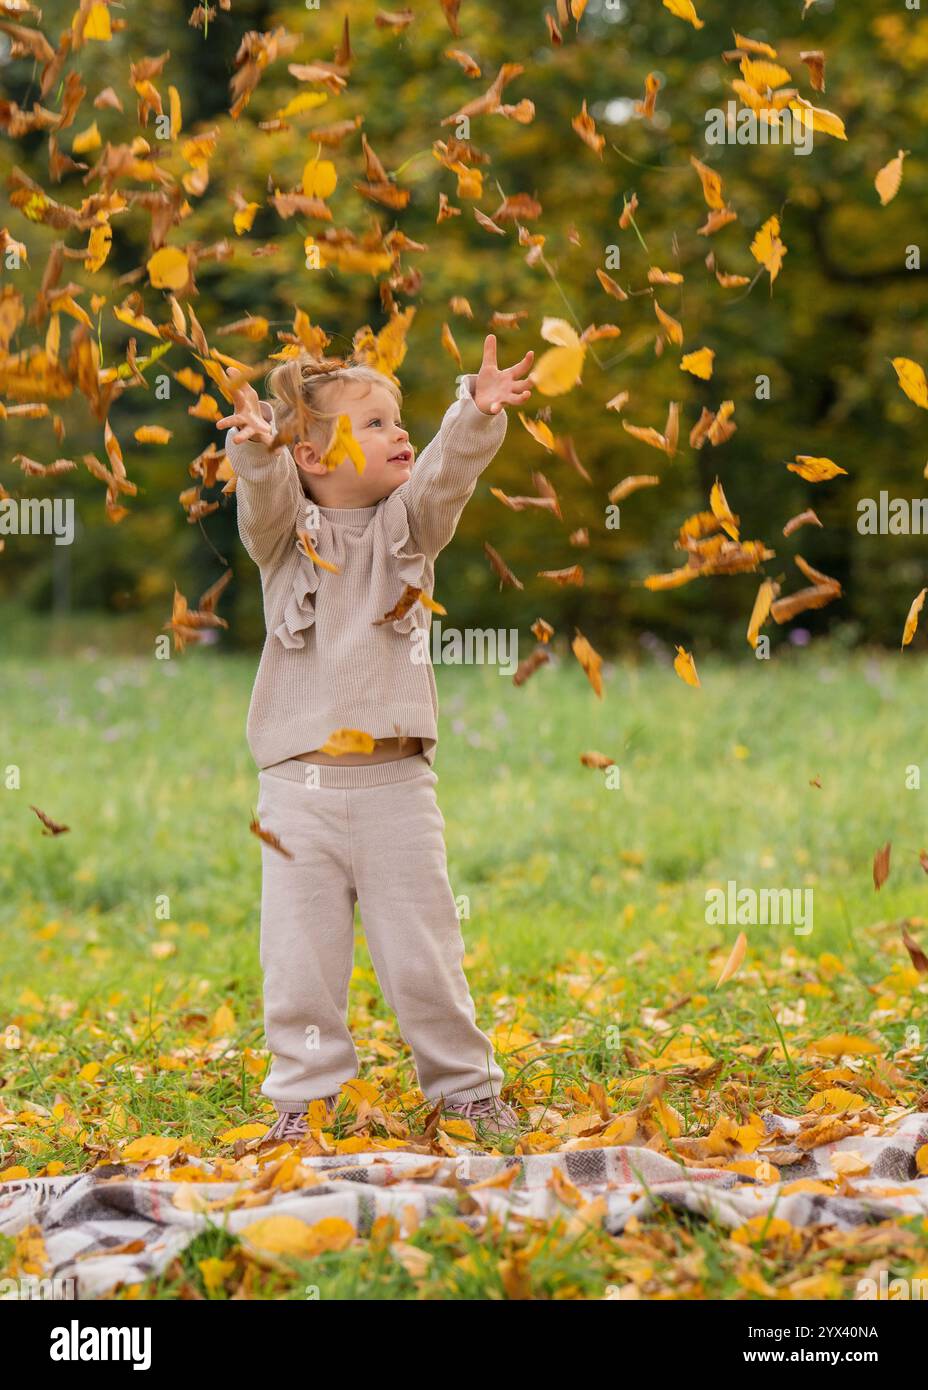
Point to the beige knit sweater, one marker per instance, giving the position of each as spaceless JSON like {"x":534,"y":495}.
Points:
{"x":325,"y":665}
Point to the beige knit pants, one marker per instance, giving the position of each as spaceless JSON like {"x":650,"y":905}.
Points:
{"x":370,"y":834}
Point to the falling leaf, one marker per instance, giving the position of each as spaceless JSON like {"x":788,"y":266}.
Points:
{"x":825,"y":121}
{"x":558,"y":370}
{"x":720,"y":509}
{"x":153,"y":434}
{"x":911,"y":622}
{"x":814,"y":60}
{"x":761,"y":610}
{"x":305,"y":544}
{"x":916,"y":954}
{"x":539,"y":431}
{"x":806,"y":518}
{"x":631,"y":484}
{"x":268,"y":837}
{"x":169,"y":268}
{"x":815,"y":470}
{"x":52,"y":827}
{"x":673,"y":329}
{"x":881,"y":866}
{"x":735,"y":960}
{"x":651,"y":87}
{"x":684,"y":9}
{"x":711,"y":184}
{"x":889,"y":178}
{"x":585,"y":127}
{"x":912,"y":380}
{"x":767,"y":248}
{"x":685,"y":666}
{"x":345,"y":446}
{"x":699,"y":363}
{"x":590,"y":660}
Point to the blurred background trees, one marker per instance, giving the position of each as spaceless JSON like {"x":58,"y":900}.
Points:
{"x":843,"y":305}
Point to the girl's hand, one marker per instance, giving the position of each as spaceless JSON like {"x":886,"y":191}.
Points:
{"x":496,"y":387}
{"x":247,"y":417}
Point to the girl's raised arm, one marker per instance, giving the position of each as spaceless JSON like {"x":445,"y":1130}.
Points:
{"x":268,"y":493}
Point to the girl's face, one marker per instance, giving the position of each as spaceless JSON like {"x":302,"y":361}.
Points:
{"x":376,"y":425}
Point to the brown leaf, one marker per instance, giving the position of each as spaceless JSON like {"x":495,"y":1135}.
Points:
{"x":916,"y":954}
{"x":881,"y":865}
{"x":52,"y":827}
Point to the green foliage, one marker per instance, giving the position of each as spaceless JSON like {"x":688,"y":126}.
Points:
{"x":843,"y":305}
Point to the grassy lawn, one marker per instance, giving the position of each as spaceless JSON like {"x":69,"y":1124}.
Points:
{"x":585,"y":918}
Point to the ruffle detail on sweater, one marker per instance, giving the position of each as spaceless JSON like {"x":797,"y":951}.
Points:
{"x":410,"y":563}
{"x":300,"y":610}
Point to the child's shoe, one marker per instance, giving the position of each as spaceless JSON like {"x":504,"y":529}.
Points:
{"x":490,"y":1116}
{"x":290,"y":1125}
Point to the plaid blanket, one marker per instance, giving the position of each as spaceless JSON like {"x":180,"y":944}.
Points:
{"x":88,"y":1220}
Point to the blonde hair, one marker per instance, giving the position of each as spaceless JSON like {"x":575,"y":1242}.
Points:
{"x":299,"y":387}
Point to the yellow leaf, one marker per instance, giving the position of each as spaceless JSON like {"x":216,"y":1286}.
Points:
{"x":911,"y":622}
{"x":98,"y":246}
{"x":734,"y":962}
{"x":837,"y":1044}
{"x":761,"y":75}
{"x":559,"y":332}
{"x":222,"y":1022}
{"x":319,"y":178}
{"x":149,"y":1146}
{"x":287,"y":1235}
{"x":357,"y":1090}
{"x":252,"y":1131}
{"x":699,"y":363}
{"x":345,"y":446}
{"x":889,"y":179}
{"x":673,"y":329}
{"x":97,"y":25}
{"x":684,"y":9}
{"x":685,"y":667}
{"x":169,"y":268}
{"x":305,"y":101}
{"x":539,"y":431}
{"x":825,"y":121}
{"x":558,"y":370}
{"x":590,"y":660}
{"x":815,"y":470}
{"x":759,"y":613}
{"x":243,"y":219}
{"x":215,"y":1272}
{"x":348,"y":741}
{"x":153,"y":434}
{"x":912,"y":380}
{"x":836,"y":1101}
{"x":721,"y":510}
{"x":767,"y":248}
{"x":711,"y":183}
{"x":449,"y":345}
{"x":88,"y":139}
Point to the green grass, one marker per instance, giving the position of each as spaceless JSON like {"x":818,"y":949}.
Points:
{"x":586,"y":905}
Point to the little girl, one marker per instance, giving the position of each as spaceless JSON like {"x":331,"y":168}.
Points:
{"x":337,"y":549}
